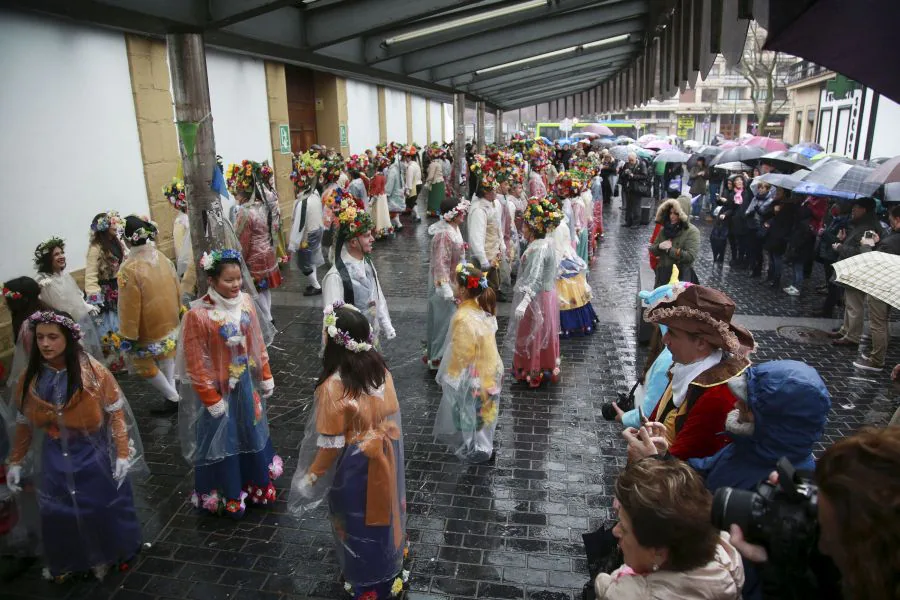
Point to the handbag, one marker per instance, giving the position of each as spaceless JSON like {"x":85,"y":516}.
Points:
{"x":603,"y":556}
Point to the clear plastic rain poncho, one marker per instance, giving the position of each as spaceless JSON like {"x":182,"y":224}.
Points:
{"x":447,"y":251}
{"x":60,"y":292}
{"x":77,"y":454}
{"x":223,"y":367}
{"x":252,"y":228}
{"x":352,"y":454}
{"x":534,"y":334}
{"x":471,"y":377}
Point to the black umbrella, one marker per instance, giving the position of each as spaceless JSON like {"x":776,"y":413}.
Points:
{"x":786,"y":162}
{"x":847,"y":37}
{"x":738,"y":153}
{"x":707,"y":152}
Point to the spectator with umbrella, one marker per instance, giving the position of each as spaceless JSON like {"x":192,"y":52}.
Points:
{"x":755,"y":231}
{"x":699,"y":175}
{"x":778,"y":221}
{"x":635,"y":185}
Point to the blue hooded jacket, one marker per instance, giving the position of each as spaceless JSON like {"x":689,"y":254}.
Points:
{"x":790,"y":405}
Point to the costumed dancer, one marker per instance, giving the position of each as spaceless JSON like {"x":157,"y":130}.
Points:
{"x":149,"y":309}
{"x":471,"y":374}
{"x":307,"y":224}
{"x":355,"y":166}
{"x":181,"y":231}
{"x":393,"y":187}
{"x":412,"y":182}
{"x":265,"y":177}
{"x":60,"y":292}
{"x":104,"y":257}
{"x":224,"y":369}
{"x":352,"y":454}
{"x":597,"y":204}
{"x":378,"y":202}
{"x":352,"y":278}
{"x":251,"y":224}
{"x":485,"y":236}
{"x":506,"y":210}
{"x":434,"y":180}
{"x":534,"y":328}
{"x":537,"y":184}
{"x":577,"y":316}
{"x":447,"y":250}
{"x":447,"y":170}
{"x":75,"y":442}
{"x":582,"y":212}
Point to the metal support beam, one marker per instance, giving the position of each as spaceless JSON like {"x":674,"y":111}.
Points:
{"x":479,"y":127}
{"x":190,"y":84}
{"x":566,"y":86}
{"x":228,"y":12}
{"x":460,"y":182}
{"x":589,"y":73}
{"x":553,"y":28}
{"x":538,"y":99}
{"x":498,"y":126}
{"x":531,"y":49}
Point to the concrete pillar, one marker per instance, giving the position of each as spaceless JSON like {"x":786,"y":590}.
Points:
{"x":479,"y":127}
{"x":149,"y":70}
{"x":427,"y":121}
{"x":328,"y":118}
{"x":409,"y":127}
{"x":498,"y":127}
{"x":276,"y":90}
{"x":460,"y":168}
{"x":382,"y":116}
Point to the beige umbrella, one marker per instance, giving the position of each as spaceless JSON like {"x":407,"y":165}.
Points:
{"x":875,"y":273}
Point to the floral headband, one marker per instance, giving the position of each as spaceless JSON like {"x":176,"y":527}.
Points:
{"x":357,"y":162}
{"x":485,"y":169}
{"x":174,"y":193}
{"x":48,"y":316}
{"x":470,"y":276}
{"x":209,"y":260}
{"x":542,"y":215}
{"x":145,"y":233}
{"x":11,"y":295}
{"x":567,"y":185}
{"x":352,"y":219}
{"x":307,"y":167}
{"x":265,"y":171}
{"x":110,"y":220}
{"x":45,"y":248}
{"x":462,"y":207}
{"x":240,"y":177}
{"x":340,"y":337}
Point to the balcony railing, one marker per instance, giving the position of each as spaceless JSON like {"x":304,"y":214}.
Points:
{"x":805,"y":70}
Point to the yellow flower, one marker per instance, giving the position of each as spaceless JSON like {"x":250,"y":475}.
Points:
{"x":488,"y":412}
{"x":397,"y":587}
{"x":235,"y":371}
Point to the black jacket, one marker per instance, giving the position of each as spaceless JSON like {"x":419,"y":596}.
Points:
{"x":780,"y":225}
{"x":734,"y":212}
{"x":855,"y":230}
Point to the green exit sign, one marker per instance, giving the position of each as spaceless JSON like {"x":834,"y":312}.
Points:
{"x":284,"y":135}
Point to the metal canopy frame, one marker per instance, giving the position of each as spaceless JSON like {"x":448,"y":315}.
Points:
{"x":409,"y":44}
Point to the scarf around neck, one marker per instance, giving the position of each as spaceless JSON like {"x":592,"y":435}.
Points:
{"x":230,"y":306}
{"x":683,"y":375}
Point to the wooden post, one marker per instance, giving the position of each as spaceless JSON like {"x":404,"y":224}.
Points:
{"x":479,"y":127}
{"x":461,"y":168}
{"x":187,"y":58}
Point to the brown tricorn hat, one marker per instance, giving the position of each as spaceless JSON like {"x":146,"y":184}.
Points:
{"x":706,"y":313}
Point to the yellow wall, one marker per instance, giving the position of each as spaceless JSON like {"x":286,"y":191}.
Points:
{"x":278,"y":115}
{"x":331,"y":113}
{"x":803,"y":99}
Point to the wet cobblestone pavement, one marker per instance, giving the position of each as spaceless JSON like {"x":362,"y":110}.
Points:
{"x":508,"y":529}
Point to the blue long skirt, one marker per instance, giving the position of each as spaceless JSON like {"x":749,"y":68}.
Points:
{"x":440,"y":313}
{"x":578,"y":321}
{"x":247,"y":447}
{"x":86,"y":520}
{"x":367,"y":555}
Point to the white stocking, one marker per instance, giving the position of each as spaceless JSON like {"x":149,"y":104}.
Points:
{"x":313,"y":280}
{"x":167,"y":366}
{"x":163,"y":386}
{"x":265,"y":305}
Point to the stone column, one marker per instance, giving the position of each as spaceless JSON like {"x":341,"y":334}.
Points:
{"x":479,"y":127}
{"x":461,"y":169}
{"x":276,"y":90}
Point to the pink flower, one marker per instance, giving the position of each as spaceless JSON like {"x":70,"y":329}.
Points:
{"x":211,"y":501}
{"x":276,"y":468}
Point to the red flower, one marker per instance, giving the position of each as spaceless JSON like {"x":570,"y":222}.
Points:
{"x":370,"y":595}
{"x":472,"y":282}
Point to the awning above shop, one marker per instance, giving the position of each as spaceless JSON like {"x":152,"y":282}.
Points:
{"x":509,"y":54}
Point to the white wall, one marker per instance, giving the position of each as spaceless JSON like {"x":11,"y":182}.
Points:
{"x":885,"y":141}
{"x":419,"y":123}
{"x":362,"y":116}
{"x":69,"y":141}
{"x":395,"y":113}
{"x":448,"y":122}
{"x":434,"y":115}
{"x":240,"y":107}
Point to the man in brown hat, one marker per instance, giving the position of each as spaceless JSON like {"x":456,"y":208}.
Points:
{"x":707,"y":351}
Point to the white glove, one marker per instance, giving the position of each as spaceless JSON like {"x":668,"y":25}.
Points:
{"x":305,"y":486}
{"x":267,"y":394}
{"x":217,"y":409}
{"x":121,"y":470}
{"x":522,"y":307}
{"x":93,"y":309}
{"x":446,"y":291}
{"x":13,"y":478}
{"x":389,"y":333}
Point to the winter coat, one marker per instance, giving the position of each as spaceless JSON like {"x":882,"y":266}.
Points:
{"x":889,"y":243}
{"x":753,"y":212}
{"x":719,"y":579}
{"x":827,"y":254}
{"x":802,"y":243}
{"x":630,"y":175}
{"x":685,"y":245}
{"x":779,"y":225}
{"x":790,"y":405}
{"x":698,"y":180}
{"x":734,"y":212}
{"x":855,"y":230}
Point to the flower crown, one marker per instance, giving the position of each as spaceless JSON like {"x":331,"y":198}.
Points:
{"x":265,"y":171}
{"x":11,"y":295}
{"x":174,"y":193}
{"x":462,"y":207}
{"x":49,"y":316}
{"x":435,"y":150}
{"x":46,"y":247}
{"x":567,"y":185}
{"x":240,"y":177}
{"x":485,"y":170}
{"x":542,"y":215}
{"x":410,"y":150}
{"x":306,"y":167}
{"x":357,"y":162}
{"x":341,"y":337}
{"x":470,"y":276}
{"x":110,"y":220}
{"x":209,"y":260}
{"x":332,"y":168}
{"x":353,"y":220}
{"x":144,"y":233}
{"x":537,"y":157}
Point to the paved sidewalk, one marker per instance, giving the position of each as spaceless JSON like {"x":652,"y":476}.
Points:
{"x":510,"y":529}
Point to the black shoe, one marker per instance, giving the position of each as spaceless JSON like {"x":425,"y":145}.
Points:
{"x":312,"y":291}
{"x":166,"y":408}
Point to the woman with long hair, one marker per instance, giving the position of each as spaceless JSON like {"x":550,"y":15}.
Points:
{"x":471,"y":374}
{"x":149,"y":310}
{"x":59,"y":291}
{"x":352,"y":454}
{"x":447,"y":250}
{"x":226,"y":379}
{"x":73,"y":415}
{"x":105,"y":255}
{"x":534,"y":328}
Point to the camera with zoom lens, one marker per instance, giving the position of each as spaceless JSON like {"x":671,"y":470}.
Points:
{"x":782,"y":517}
